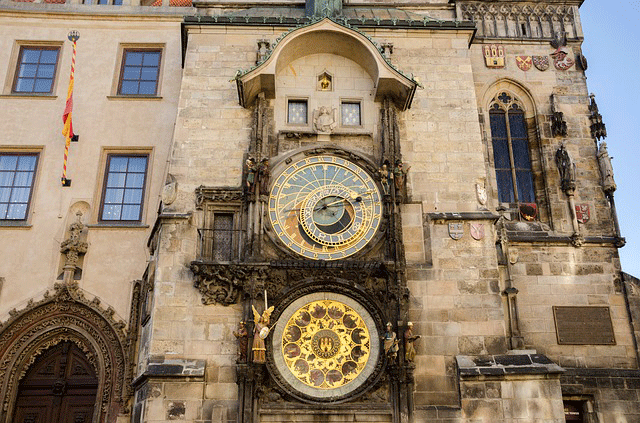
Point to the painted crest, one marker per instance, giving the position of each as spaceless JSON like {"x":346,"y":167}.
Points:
{"x":561,"y":60}
{"x":477,"y":231}
{"x":528,"y":211}
{"x":541,"y":62}
{"x":456,"y":230}
{"x":583,"y":214}
{"x":524,"y":62}
{"x":493,"y":55}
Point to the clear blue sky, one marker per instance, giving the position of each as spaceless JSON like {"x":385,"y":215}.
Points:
{"x":612,"y":47}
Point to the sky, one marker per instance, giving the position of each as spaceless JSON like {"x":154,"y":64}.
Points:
{"x":612,"y":47}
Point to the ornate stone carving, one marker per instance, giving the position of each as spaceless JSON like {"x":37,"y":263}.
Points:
{"x":324,"y":120}
{"x":73,"y":245}
{"x":521,"y":20}
{"x":219,"y":283}
{"x":598,"y":128}
{"x":558,"y":124}
{"x":170,"y":190}
{"x":222,"y":195}
{"x":65,"y":316}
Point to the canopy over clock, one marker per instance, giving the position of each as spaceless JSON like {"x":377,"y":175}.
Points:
{"x":325,"y":207}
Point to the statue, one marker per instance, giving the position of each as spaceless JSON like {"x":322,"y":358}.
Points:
{"x":263,"y":176}
{"x":400,"y":176}
{"x":251,"y":174}
{"x":390,"y":342}
{"x":385,"y":177}
{"x":324,"y":119}
{"x":604,"y":161}
{"x":261,"y":330}
{"x":409,"y":339}
{"x":566,"y":168}
{"x":243,"y":342}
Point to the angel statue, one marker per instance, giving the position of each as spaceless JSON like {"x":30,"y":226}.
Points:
{"x":261,"y":330}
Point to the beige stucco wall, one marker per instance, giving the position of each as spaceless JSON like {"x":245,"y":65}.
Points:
{"x":116,"y":256}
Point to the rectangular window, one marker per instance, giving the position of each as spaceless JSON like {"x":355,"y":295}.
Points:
{"x":297,"y":112}
{"x":123,"y":192}
{"x":222,"y":236}
{"x":350,"y":111}
{"x":139,"y":72}
{"x":17,"y":172}
{"x":36,"y":69}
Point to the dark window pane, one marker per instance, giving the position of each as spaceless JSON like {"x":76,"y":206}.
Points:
{"x":501,"y":153}
{"x":20,"y":195}
{"x":24,"y":85}
{"x":149,"y":74}
{"x":525,"y":187}
{"x":131,"y":72}
{"x":30,"y":55}
{"x":132,"y":196}
{"x":117,"y":2}
{"x":138,"y":164}
{"x":3,"y":210}
{"x":521,"y":154}
{"x":498,"y":125}
{"x":22,"y":179}
{"x":116,"y":180}
{"x":505,"y":186}
{"x":5,"y":194}
{"x":118,"y":164}
{"x":8,"y":162}
{"x":49,"y":56}
{"x":129,"y":87}
{"x":46,"y":71}
{"x":151,"y":58}
{"x":28,"y":71}
{"x":147,"y":88}
{"x":130,"y":212}
{"x":135,"y":180}
{"x":17,"y":211}
{"x":222,"y":236}
{"x":26,"y":162}
{"x":113,"y":196}
{"x":111,"y":212}
{"x":42,"y":86}
{"x":517,"y":125}
{"x":133,"y":58}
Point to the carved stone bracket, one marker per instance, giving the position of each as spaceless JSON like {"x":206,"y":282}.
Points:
{"x":73,"y":246}
{"x":204,"y":194}
{"x":558,"y":124}
{"x":225,"y":283}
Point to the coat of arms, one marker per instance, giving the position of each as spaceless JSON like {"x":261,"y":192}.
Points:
{"x":561,"y":60}
{"x":524,"y":62}
{"x":582,"y":213}
{"x":541,"y":62}
{"x":456,"y":230}
{"x":493,"y":55}
{"x":477,"y":231}
{"x":528,"y":211}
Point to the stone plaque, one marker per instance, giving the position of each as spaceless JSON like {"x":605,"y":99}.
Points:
{"x":584,"y":326}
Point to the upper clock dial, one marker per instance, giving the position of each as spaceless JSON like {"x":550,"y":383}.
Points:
{"x":325,"y":207}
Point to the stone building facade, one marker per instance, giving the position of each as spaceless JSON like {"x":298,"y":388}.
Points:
{"x":409,"y":207}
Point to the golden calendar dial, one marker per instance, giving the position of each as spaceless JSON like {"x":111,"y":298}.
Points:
{"x":325,"y":207}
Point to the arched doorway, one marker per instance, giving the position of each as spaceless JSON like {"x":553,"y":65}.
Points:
{"x":59,"y":387}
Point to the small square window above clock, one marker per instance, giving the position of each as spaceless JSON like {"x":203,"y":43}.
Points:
{"x":297,"y":112}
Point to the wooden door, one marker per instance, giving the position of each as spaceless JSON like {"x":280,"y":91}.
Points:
{"x":60,"y":387}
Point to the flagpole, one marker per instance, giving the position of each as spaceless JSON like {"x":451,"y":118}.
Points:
{"x":67,"y":130}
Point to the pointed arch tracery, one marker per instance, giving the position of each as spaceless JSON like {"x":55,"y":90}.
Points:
{"x":65,"y":316}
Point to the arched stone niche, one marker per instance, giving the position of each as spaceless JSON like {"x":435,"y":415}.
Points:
{"x":66,"y":316}
{"x":327,"y":37}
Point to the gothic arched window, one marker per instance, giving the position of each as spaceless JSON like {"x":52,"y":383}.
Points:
{"x":511,"y":156}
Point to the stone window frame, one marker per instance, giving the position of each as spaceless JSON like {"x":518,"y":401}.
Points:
{"x":15,"y":62}
{"x":526,"y":102}
{"x":357,"y":101}
{"x":118,"y":74}
{"x":101,"y":179}
{"x":300,"y":100}
{"x":28,"y":211}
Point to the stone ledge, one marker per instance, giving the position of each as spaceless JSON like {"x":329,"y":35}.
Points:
{"x":503,"y":365}
{"x":171,"y":368}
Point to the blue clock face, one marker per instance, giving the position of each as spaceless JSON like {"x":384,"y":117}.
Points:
{"x":325,"y":207}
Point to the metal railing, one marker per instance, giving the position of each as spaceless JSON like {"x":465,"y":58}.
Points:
{"x":220,"y":245}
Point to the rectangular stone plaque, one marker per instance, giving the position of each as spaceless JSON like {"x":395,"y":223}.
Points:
{"x":583,"y":325}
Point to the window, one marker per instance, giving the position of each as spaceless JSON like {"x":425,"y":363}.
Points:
{"x":124,"y":185}
{"x":36,"y":69}
{"x":139,"y":72}
{"x":511,"y":150}
{"x":297,"y":112}
{"x":222,"y":237}
{"x":17,"y":172}
{"x":350,"y":111}
{"x":114,"y":2}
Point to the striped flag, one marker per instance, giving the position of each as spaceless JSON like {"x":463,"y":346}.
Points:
{"x":67,"y":129}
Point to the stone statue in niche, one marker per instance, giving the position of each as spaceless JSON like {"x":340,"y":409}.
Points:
{"x":251,"y":174}
{"x":604,"y":161}
{"x":390,"y":342}
{"x":567,"y":169}
{"x":243,"y":341}
{"x":324,"y":82}
{"x":263,"y":175}
{"x":324,"y":120}
{"x":400,"y":178}
{"x":409,"y":339}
